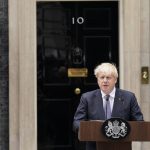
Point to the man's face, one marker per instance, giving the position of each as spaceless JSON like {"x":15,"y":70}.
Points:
{"x":106,"y":82}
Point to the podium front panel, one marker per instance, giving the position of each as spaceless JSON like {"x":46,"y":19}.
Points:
{"x":91,"y":131}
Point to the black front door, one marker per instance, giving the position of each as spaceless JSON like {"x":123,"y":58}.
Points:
{"x":72,"y":38}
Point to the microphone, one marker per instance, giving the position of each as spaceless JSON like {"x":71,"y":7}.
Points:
{"x":107,"y":97}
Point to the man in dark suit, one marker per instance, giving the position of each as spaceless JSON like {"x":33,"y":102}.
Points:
{"x":92,"y":104}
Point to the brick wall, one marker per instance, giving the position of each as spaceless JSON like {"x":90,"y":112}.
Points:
{"x":4,"y":123}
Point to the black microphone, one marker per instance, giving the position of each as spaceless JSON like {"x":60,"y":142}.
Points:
{"x":107,"y":97}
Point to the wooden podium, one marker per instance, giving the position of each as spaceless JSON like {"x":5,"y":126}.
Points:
{"x":91,"y":131}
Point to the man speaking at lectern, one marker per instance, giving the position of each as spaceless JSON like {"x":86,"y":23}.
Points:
{"x":107,"y":101}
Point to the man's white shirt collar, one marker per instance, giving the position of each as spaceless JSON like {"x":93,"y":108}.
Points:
{"x":112,"y":94}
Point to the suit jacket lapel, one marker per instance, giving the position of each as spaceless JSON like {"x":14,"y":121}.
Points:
{"x":100,"y":105}
{"x":117,"y":103}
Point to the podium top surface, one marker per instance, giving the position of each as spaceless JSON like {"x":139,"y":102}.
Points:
{"x":91,"y":131}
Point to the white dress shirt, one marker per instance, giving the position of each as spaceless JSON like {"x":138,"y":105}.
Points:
{"x":111,"y":98}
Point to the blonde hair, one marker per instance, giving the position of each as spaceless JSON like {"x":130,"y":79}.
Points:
{"x":107,"y":68}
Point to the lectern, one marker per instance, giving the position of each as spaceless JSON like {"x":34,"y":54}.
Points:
{"x":91,"y":131}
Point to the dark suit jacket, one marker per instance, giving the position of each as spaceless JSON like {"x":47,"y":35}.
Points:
{"x":91,"y":108}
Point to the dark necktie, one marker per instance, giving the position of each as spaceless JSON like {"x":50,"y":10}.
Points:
{"x":107,"y":108}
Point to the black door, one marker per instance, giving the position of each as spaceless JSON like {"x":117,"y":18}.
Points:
{"x":72,"y":38}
